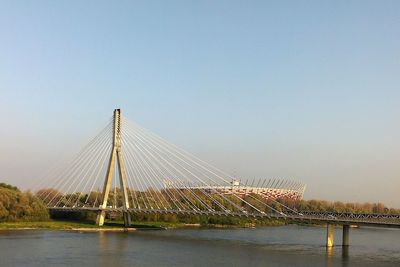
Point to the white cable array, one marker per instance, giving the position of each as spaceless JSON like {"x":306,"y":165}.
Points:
{"x":68,"y":176}
{"x":160,"y":176}
{"x":193,"y":167}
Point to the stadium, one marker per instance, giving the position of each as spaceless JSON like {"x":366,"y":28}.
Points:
{"x":267,"y":189}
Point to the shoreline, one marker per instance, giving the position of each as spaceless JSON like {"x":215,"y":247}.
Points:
{"x":72,"y":226}
{"x":117,"y":226}
{"x":87,"y":230}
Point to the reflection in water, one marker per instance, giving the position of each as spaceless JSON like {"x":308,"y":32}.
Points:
{"x":108,"y":244}
{"x":271,"y":246}
{"x":345,"y":255}
{"x":104,"y":259}
{"x":329,"y":256}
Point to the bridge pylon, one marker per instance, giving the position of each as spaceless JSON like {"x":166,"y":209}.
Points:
{"x":116,"y":155}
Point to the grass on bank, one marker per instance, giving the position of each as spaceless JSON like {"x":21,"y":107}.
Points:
{"x":56,"y":225}
{"x":69,"y":225}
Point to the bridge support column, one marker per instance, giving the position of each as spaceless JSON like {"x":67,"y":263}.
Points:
{"x":330,"y":234}
{"x":100,"y":217}
{"x":116,"y":156}
{"x":127,"y":218}
{"x":345,"y":239}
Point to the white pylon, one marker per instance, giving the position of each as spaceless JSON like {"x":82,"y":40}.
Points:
{"x":116,"y":154}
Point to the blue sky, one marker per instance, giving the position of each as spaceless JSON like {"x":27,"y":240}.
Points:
{"x":301,"y":90}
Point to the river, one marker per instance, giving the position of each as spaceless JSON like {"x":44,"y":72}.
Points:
{"x":267,"y":246}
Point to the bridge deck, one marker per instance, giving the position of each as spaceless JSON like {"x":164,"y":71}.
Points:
{"x":372,"y":220}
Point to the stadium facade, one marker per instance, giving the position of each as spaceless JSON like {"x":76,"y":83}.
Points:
{"x":267,"y":189}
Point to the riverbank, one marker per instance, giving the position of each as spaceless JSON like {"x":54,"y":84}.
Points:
{"x":116,"y":226}
{"x":87,"y":226}
{"x":55,"y":225}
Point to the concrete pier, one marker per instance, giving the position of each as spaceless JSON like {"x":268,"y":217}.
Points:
{"x":100,"y":217}
{"x":345,"y":239}
{"x":330,"y":233}
{"x":127,"y":219}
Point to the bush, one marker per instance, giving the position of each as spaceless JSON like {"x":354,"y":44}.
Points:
{"x":20,"y":206}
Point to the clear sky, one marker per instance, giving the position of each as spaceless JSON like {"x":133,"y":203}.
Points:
{"x":305,"y":90}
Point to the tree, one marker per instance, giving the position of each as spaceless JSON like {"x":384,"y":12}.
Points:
{"x":49,"y":195}
{"x":20,"y":206}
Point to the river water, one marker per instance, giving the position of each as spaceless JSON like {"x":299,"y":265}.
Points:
{"x":268,"y":246}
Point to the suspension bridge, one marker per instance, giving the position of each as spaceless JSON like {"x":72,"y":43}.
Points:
{"x":127,"y":168}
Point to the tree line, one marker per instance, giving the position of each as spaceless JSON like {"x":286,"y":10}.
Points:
{"x":25,"y":206}
{"x":185,"y":198}
{"x":20,"y":206}
{"x":144,"y":199}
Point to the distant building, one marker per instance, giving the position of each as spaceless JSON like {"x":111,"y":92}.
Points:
{"x":269,"y":190}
